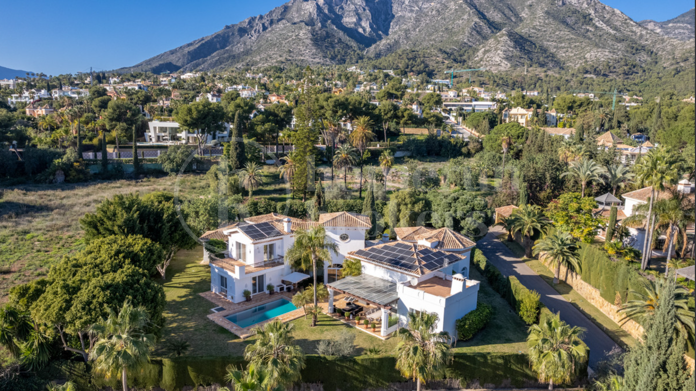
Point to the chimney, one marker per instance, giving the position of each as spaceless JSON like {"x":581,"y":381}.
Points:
{"x":458,"y":284}
{"x":287,"y":225}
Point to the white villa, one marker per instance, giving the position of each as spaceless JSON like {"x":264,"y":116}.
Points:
{"x":425,"y":271}
{"x":169,"y":132}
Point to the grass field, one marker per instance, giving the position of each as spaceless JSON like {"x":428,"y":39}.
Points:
{"x":186,"y":318}
{"x":615,"y":332}
{"x":39,"y":224}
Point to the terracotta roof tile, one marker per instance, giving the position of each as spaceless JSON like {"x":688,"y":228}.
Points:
{"x":608,"y":139}
{"x":447,"y":239}
{"x":344,"y":219}
{"x":217,"y":233}
{"x":409,"y":233}
{"x":505,"y":211}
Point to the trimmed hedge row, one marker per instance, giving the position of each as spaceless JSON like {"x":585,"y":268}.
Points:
{"x":614,"y":280}
{"x":474,"y":321}
{"x":509,"y":288}
{"x":351,"y":373}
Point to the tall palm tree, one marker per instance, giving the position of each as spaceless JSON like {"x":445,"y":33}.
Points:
{"x":331,"y":131}
{"x":386,"y":161}
{"x":647,"y":299}
{"x":673,"y":215}
{"x":360,"y":137}
{"x":657,"y":169}
{"x":311,"y":247}
{"x":616,"y":176}
{"x":421,"y":353}
{"x":345,"y":157}
{"x":122,"y":344}
{"x":559,"y":249}
{"x":555,"y":350}
{"x":251,"y":177}
{"x":586,"y":171}
{"x":276,"y":354}
{"x":529,"y":221}
{"x":287,"y":170}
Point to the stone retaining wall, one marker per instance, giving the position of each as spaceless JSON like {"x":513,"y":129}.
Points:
{"x":591,"y":294}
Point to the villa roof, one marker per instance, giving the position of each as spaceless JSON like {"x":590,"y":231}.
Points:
{"x":410,"y":258}
{"x":604,"y":212}
{"x":644,"y":194}
{"x":647,"y":144}
{"x":608,"y":139}
{"x":687,"y":272}
{"x":265,"y":218}
{"x":409,"y":233}
{"x":505,"y":211}
{"x":218,"y":234}
{"x":447,"y":239}
{"x":344,"y":219}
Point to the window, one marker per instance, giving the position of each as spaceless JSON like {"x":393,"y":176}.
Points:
{"x":223,"y":282}
{"x":268,"y":251}
{"x":241,"y":252}
{"x":258,"y":284}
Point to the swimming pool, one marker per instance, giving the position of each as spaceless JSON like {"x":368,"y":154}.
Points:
{"x":260,"y":313}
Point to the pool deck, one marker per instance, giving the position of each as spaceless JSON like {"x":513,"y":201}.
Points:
{"x":231,"y":308}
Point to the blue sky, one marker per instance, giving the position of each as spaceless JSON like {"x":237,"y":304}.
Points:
{"x":67,"y":37}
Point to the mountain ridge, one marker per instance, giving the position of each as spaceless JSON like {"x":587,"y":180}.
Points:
{"x":8,"y":73}
{"x":681,"y":27}
{"x":498,"y":35}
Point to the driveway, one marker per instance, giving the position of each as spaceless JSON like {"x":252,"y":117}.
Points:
{"x":499,"y":255}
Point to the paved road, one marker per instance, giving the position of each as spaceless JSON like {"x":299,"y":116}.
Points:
{"x":497,"y":253}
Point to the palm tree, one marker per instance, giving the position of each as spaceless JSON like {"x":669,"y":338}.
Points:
{"x":311,"y":247}
{"x":508,"y":223}
{"x":360,"y":137}
{"x":673,"y":215}
{"x":251,"y":177}
{"x":122,"y":344}
{"x":505,"y":141}
{"x":529,"y":221}
{"x":67,"y":386}
{"x":331,"y":131}
{"x":421,"y":353}
{"x":657,"y":169}
{"x":585,"y":170}
{"x":555,"y":350}
{"x":386,"y":161}
{"x":559,"y":249}
{"x":250,"y":380}
{"x":617,"y":175}
{"x":276,"y":354}
{"x":647,"y":299}
{"x":287,"y":170}
{"x":612,"y":383}
{"x":345,"y":157}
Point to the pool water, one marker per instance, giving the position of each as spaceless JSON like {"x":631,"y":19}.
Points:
{"x":260,"y":313}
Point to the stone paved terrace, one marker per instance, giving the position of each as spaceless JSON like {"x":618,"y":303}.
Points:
{"x":231,"y":308}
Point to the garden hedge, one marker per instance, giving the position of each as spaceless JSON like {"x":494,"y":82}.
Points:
{"x":474,"y":321}
{"x":351,"y":373}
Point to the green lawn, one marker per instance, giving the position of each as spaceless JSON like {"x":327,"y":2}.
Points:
{"x":619,"y":335}
{"x":186,"y":318}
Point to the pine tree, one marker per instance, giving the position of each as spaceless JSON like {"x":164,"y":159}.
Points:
{"x":235,"y":158}
{"x":611,"y":224}
{"x":136,"y":162}
{"x":658,"y":363}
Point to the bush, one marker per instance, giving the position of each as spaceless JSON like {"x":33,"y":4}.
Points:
{"x":474,"y":321}
{"x":292,"y":208}
{"x":529,"y":308}
{"x":175,"y":157}
{"x":342,"y":345}
{"x":261,"y":206}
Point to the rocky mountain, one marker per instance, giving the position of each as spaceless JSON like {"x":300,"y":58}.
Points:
{"x":498,"y":34}
{"x":7,"y":73}
{"x":681,"y":27}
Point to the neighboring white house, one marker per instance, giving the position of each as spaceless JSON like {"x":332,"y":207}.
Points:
{"x":8,"y":83}
{"x":169,"y":132}
{"x":471,"y":106}
{"x":27,"y":96}
{"x":397,"y":277}
{"x":641,"y":197}
{"x":211,"y":97}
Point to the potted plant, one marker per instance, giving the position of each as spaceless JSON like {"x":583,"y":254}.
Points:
{"x":357,"y":319}
{"x":366,"y":322}
{"x":270,"y":288}
{"x":247,"y":294}
{"x":346,"y":314}
{"x":374,"y":326}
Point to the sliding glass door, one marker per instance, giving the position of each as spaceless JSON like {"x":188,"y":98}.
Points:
{"x":258,"y":284}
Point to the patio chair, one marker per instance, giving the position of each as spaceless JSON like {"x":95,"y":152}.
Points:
{"x":280,"y":288}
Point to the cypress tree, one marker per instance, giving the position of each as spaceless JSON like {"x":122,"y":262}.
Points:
{"x":233,"y":158}
{"x":79,"y":139}
{"x":523,"y":195}
{"x":136,"y":162}
{"x":658,"y":362}
{"x":319,"y":194}
{"x":104,"y":160}
{"x":369,"y":209}
{"x":611,"y":224}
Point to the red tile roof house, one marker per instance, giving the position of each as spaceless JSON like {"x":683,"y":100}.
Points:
{"x":429,"y":272}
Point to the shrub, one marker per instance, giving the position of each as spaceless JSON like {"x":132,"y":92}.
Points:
{"x":292,"y":208}
{"x":341,"y":345}
{"x":529,"y":307}
{"x":474,"y":321}
{"x":261,"y":206}
{"x":175,"y":157}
